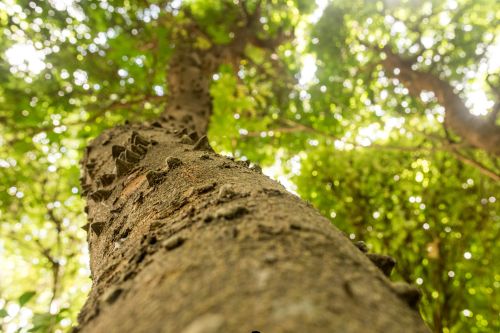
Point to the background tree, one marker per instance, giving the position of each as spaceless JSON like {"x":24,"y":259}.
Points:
{"x":72,"y":69}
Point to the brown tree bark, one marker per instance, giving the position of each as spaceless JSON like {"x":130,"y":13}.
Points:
{"x":182,"y":239}
{"x":479,"y":132}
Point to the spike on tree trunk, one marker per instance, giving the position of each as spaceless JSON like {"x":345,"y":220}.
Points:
{"x":184,"y":240}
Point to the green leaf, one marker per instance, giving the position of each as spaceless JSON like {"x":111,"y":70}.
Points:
{"x":3,"y":313}
{"x":41,"y":321}
{"x":26,"y":297}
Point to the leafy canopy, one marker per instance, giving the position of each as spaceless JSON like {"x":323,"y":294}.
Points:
{"x":319,"y":112}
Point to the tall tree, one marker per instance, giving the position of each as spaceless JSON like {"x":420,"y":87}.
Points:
{"x":162,"y":206}
{"x":183,"y":239}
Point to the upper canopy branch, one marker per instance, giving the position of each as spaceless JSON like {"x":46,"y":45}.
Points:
{"x":245,"y":30}
{"x":477,"y":131}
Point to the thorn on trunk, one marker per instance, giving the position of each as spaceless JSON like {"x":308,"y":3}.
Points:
{"x":226,"y":192}
{"x":107,"y":179}
{"x":100,"y":195}
{"x":182,"y":132}
{"x":194,"y":136}
{"x":112,"y":295}
{"x":383,"y":262}
{"x":361,"y":246}
{"x":86,"y":189}
{"x":136,"y":138}
{"x":116,"y":150}
{"x":139,"y":149}
{"x":90,"y":166}
{"x":97,"y":227}
{"x":230,"y":213}
{"x":245,"y":164}
{"x":155,"y":177}
{"x":203,"y":144}
{"x":173,"y":162}
{"x":272,"y":192}
{"x":205,"y":188}
{"x":205,"y":157}
{"x":106,"y":140}
{"x":173,"y":242}
{"x":132,"y":157}
{"x":255,"y":167}
{"x":122,"y":167}
{"x":408,"y":293}
{"x":186,"y":140}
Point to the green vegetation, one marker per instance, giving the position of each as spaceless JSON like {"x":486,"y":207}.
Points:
{"x":365,"y":141}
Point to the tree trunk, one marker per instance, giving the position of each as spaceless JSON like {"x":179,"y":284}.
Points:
{"x":184,"y":240}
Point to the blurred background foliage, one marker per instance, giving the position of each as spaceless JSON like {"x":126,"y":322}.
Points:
{"x":320,"y":113}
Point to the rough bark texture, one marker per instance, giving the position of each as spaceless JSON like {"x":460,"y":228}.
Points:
{"x":184,"y":240}
{"x":479,"y":132}
{"x":194,"y":242}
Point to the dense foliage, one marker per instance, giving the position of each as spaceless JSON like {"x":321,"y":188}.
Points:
{"x":321,"y":113}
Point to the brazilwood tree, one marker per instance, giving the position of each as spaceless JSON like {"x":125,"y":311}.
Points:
{"x":182,"y":238}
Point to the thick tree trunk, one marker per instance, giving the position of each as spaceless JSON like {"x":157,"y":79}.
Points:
{"x":184,"y":240}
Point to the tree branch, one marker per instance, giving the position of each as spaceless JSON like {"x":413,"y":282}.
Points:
{"x":477,"y":131}
{"x":481,"y":167}
{"x":452,"y":147}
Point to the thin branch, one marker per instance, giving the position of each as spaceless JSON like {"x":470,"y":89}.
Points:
{"x":481,"y":167}
{"x":295,"y":127}
{"x":55,"y":263}
{"x":251,"y":16}
{"x":496,"y":108}
{"x":98,"y":113}
{"x":452,"y":147}
{"x":444,"y":145}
